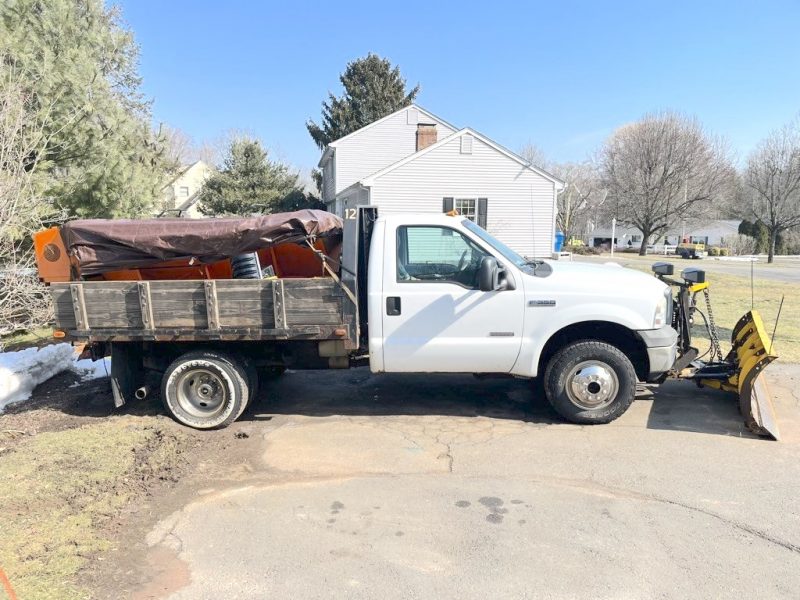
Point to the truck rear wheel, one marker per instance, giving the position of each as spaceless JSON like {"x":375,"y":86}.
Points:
{"x":205,"y":390}
{"x":590,"y":382}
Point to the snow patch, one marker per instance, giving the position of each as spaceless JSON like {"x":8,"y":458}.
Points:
{"x":89,"y":369}
{"x":23,"y":370}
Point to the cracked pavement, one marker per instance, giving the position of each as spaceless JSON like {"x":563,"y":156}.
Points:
{"x":446,"y":486}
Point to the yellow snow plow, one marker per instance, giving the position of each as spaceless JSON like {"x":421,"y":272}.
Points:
{"x":740,"y":371}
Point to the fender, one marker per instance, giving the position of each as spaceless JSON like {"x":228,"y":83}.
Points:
{"x":541,"y":324}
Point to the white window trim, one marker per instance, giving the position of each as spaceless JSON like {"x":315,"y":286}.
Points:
{"x":472,"y":217}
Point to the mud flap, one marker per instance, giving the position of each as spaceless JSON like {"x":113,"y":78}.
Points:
{"x":751,"y":354}
{"x":127,"y":372}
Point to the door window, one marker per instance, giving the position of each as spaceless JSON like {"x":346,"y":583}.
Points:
{"x":428,"y":253}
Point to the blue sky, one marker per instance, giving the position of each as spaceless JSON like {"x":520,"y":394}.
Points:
{"x":562,"y":75}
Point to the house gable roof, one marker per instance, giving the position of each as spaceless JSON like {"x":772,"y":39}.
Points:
{"x":329,"y":149}
{"x":183,"y":171}
{"x":367,"y":181}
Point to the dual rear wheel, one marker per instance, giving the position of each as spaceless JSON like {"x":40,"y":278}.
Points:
{"x":208,"y":389}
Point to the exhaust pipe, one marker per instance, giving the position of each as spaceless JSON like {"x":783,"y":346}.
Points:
{"x":142,"y":392}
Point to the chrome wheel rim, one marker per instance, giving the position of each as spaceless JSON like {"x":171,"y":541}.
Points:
{"x":592,"y":385}
{"x":201,"y":393}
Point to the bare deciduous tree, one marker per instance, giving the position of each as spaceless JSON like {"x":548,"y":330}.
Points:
{"x":181,"y":148}
{"x":534,"y":155}
{"x":663,"y":168}
{"x":23,"y":301}
{"x":773,"y":176}
{"x":583,"y":195}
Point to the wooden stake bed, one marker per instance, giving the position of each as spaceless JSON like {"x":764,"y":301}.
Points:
{"x":221,"y":309}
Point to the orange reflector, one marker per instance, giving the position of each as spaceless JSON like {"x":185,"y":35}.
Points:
{"x":340,"y":332}
{"x":59,"y":334}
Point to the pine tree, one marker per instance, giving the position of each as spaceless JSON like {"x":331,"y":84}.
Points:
{"x":372,"y":90}
{"x":79,"y":66}
{"x":249,"y":183}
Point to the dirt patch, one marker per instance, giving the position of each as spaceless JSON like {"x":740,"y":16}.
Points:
{"x":60,"y":491}
{"x":81,"y":481}
{"x":169,"y":574}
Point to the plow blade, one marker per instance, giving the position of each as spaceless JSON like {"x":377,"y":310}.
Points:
{"x":755,"y":402}
{"x":742,"y":374}
{"x":751,"y":353}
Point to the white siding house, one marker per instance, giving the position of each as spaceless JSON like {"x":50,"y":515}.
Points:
{"x":414,"y":162}
{"x":181,"y":193}
{"x":719,"y":232}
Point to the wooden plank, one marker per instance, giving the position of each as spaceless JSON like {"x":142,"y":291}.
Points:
{"x":62,"y":305}
{"x":278,"y":305}
{"x":179,"y":304}
{"x":313,"y":302}
{"x":310,"y":332}
{"x":146,"y":305}
{"x":113,"y":304}
{"x":79,"y":306}
{"x":247,"y":306}
{"x":212,"y":304}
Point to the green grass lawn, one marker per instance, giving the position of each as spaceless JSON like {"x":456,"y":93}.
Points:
{"x":25,"y":339}
{"x":730,"y":299}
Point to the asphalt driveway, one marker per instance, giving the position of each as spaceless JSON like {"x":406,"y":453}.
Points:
{"x":452,"y":487}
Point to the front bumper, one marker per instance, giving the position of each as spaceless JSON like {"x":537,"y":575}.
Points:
{"x":662,"y":350}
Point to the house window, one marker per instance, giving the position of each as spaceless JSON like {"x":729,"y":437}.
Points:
{"x":466,"y":207}
{"x":183,"y":191}
{"x":437,"y":255}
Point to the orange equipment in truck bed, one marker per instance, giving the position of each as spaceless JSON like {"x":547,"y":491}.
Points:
{"x":293,"y":244}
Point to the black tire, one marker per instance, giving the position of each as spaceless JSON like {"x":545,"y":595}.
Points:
{"x":245,"y":266}
{"x":221,"y":400}
{"x":604,"y":382}
{"x":252,"y":381}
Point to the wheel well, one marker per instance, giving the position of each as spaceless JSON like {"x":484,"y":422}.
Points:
{"x":617,"y":335}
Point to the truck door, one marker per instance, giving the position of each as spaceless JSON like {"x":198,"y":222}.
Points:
{"x":435,"y":319}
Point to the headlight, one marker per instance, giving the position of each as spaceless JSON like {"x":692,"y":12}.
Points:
{"x":663,"y":316}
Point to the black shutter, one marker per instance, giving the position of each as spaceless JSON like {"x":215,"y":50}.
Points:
{"x":447,"y":204}
{"x":482,"y":205}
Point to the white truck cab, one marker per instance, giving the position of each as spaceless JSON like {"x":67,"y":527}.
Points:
{"x":446,"y":296}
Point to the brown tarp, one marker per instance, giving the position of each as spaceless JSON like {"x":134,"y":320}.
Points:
{"x":102,"y":245}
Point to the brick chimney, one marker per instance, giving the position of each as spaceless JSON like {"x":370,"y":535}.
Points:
{"x":426,"y":135}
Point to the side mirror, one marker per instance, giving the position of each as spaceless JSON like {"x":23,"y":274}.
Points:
{"x":488,"y":274}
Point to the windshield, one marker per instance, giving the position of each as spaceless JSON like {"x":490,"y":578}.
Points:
{"x":507,"y":252}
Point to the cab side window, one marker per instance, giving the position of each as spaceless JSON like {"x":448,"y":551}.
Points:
{"x":427,"y":253}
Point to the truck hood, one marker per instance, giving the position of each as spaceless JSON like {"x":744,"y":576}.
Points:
{"x":580,"y":283}
{"x":611,"y":276}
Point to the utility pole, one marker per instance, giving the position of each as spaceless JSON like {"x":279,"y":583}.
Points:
{"x":613,"y":235}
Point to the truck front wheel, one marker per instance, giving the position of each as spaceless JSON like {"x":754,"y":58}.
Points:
{"x":205,"y":390}
{"x":590,"y":382}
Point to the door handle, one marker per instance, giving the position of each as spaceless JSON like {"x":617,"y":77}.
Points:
{"x":393,"y":305}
